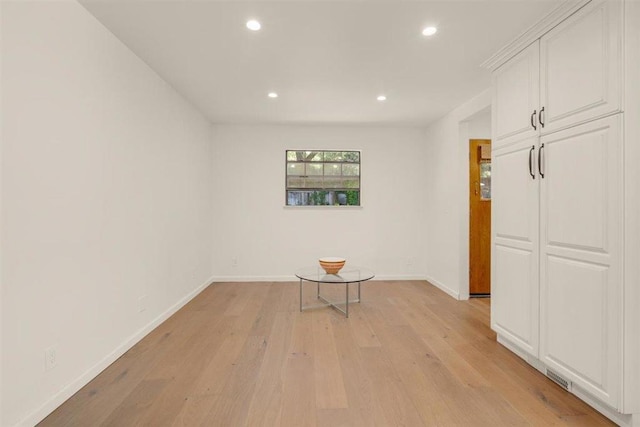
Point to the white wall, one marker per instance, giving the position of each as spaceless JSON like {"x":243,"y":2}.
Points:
{"x":1,"y":173}
{"x":479,"y":125}
{"x":447,"y":223}
{"x":271,"y":241}
{"x":106,"y":197}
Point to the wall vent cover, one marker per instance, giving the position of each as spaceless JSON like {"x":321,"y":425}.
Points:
{"x":556,"y":378}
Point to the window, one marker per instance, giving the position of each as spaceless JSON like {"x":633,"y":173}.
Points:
{"x":485,"y":180}
{"x":323,"y":178}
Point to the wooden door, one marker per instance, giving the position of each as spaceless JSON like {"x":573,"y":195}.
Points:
{"x":480,"y":217}
{"x":516,"y":97}
{"x":515,"y":236}
{"x":580,"y":255}
{"x":581,"y":67}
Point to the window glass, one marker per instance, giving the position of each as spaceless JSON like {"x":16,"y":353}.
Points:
{"x":314,"y":168}
{"x":485,"y":180}
{"x":322,"y":178}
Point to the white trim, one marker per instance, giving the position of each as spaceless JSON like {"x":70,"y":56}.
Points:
{"x":293,"y":278}
{"x":321,"y":207}
{"x":286,"y":278}
{"x":443,"y":288}
{"x":625,"y":420}
{"x":515,"y":349}
{"x":399,"y":277}
{"x":631,"y":276}
{"x":562,"y":12}
{"x":70,"y":389}
{"x":1,"y":251}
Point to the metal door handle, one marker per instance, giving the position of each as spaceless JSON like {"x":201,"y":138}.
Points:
{"x":533,"y":148}
{"x":540,"y":117}
{"x":533,"y":120}
{"x":540,"y":160}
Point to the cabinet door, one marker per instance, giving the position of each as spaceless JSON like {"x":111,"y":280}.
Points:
{"x":514,"y":256}
{"x":515,"y":97}
{"x":580,"y":264}
{"x":581,"y":66}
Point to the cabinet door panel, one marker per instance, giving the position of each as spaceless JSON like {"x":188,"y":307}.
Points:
{"x":580,"y":239}
{"x":514,"y":273}
{"x":577,"y":300}
{"x":576,"y":191}
{"x":516,"y":96}
{"x":513,"y":288}
{"x":581,"y":66}
{"x":514,"y":214}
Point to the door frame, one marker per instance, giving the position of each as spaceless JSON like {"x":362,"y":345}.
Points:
{"x":465,"y":133}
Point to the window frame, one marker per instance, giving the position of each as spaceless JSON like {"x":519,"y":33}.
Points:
{"x":287,"y":189}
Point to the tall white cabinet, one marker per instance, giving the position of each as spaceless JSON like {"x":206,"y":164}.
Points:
{"x":559,"y":207}
{"x":515,"y":201}
{"x":580,"y":257}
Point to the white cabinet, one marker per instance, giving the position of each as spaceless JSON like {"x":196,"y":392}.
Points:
{"x":581,"y":67}
{"x":571,"y":75}
{"x":556,"y":262}
{"x":515,"y":88}
{"x":514,"y":257}
{"x":559,"y":205}
{"x":580,"y":255}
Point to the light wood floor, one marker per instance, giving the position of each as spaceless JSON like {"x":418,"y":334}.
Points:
{"x":242,"y":354}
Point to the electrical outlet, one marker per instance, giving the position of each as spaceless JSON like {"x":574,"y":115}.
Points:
{"x":142,"y":303}
{"x":50,"y":358}
{"x":234,"y":261}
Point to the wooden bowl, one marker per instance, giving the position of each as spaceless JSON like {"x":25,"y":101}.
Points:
{"x":331,"y":264}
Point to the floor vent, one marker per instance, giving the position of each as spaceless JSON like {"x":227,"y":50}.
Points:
{"x":565,"y":384}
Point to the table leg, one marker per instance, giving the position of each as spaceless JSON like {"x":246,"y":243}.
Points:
{"x":318,"y":295}
{"x":300,"y":295}
{"x":347,"y":303}
{"x":359,"y":291}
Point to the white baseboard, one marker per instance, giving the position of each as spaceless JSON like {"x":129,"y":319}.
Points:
{"x":624,"y":420}
{"x":443,"y":288}
{"x":400,"y":277}
{"x":289,"y":278}
{"x":293,"y":278}
{"x":72,"y":388}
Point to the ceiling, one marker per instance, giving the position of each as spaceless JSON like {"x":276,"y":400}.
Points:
{"x":327,"y":60}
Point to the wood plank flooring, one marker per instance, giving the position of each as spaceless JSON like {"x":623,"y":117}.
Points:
{"x":241,"y":354}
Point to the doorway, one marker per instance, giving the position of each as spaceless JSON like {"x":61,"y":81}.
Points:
{"x":479,"y":217}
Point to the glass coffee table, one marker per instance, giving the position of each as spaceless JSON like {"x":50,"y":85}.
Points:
{"x":346,"y":276}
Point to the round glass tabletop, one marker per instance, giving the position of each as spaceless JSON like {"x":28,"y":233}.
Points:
{"x":348,"y":274}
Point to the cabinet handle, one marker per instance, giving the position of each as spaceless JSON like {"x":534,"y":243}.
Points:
{"x":540,"y":117}
{"x":540,"y":160}
{"x":533,"y":147}
{"x":533,"y":120}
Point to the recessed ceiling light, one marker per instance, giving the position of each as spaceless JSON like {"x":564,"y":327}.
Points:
{"x":381,"y":98}
{"x":429,"y":31}
{"x":272,"y":95}
{"x":253,"y":25}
